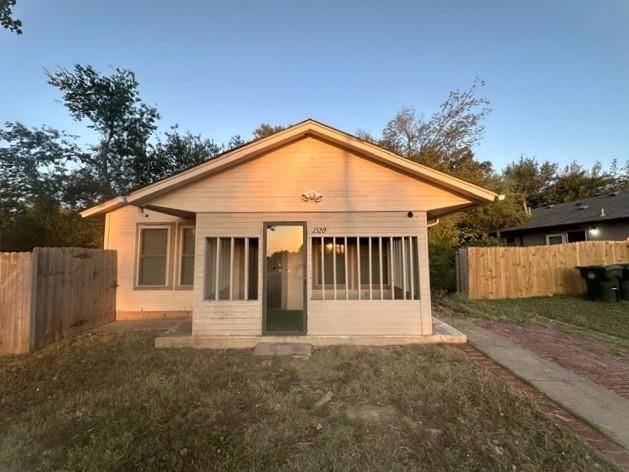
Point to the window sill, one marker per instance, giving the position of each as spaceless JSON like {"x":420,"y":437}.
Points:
{"x":152,"y":287}
{"x":212,"y":300}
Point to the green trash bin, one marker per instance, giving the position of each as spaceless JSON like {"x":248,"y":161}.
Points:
{"x":624,"y":282}
{"x":603,"y":282}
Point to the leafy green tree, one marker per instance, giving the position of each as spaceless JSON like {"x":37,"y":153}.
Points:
{"x":265,"y":130}
{"x":574,"y":182}
{"x":483,"y":222}
{"x":45,"y":222}
{"x":621,"y":175}
{"x":174,"y":153}
{"x":234,"y":142}
{"x":35,"y":178}
{"x":528,"y":179}
{"x":6,"y":17}
{"x":366,"y":136}
{"x":111,"y":105}
{"x":33,"y":164}
{"x":447,"y":137}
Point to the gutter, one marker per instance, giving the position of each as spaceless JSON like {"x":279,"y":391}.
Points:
{"x":104,"y":207}
{"x":432,"y":223}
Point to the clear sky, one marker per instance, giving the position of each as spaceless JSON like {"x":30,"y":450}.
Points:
{"x":557,"y":71}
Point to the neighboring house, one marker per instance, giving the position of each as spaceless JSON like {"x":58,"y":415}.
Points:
{"x":309,"y":231}
{"x":591,"y":219}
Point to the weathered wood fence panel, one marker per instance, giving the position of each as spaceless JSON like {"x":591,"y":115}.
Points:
{"x":53,"y":293}
{"x":15,"y":302}
{"x":530,"y":271}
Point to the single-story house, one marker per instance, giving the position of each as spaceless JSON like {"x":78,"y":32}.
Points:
{"x":602,"y":218}
{"x":310,"y":231}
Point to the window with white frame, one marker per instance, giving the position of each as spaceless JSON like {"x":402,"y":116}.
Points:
{"x":153,"y":256}
{"x":186,"y":256}
{"x":365,"y":268}
{"x":231,"y":268}
{"x":558,"y":238}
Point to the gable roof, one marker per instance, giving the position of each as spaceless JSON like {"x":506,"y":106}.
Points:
{"x":589,"y":210}
{"x":308,"y":127}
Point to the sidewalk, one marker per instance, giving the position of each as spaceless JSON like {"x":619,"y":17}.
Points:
{"x":600,"y":407}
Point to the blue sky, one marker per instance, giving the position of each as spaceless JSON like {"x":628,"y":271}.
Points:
{"x":557,"y":72}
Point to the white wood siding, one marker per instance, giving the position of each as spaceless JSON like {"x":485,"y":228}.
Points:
{"x":276,"y":181}
{"x":325,"y":317}
{"x":121,"y":228}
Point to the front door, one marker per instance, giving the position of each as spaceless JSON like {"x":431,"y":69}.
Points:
{"x":284,"y":278}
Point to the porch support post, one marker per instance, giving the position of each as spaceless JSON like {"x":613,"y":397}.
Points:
{"x":334,"y":263}
{"x":424,"y":277}
{"x":380,"y":266}
{"x":246,"y":288}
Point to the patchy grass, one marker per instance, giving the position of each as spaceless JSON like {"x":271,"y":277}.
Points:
{"x":113,"y":402}
{"x":609,"y":320}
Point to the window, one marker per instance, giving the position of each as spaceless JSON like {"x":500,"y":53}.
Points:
{"x":186,"y":256}
{"x":153,"y":260}
{"x":231,"y":268}
{"x":365,"y":268}
{"x":558,"y":238}
{"x":576,"y":236}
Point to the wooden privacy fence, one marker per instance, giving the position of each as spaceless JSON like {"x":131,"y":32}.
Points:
{"x":52,"y":293}
{"x":531,"y":271}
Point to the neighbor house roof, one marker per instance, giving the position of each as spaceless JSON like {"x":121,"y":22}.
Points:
{"x":613,"y":206}
{"x":305,"y":128}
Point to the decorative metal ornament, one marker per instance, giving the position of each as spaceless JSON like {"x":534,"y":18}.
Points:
{"x":311,"y":195}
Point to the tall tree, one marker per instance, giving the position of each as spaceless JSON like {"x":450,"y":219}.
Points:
{"x":234,"y":142}
{"x":6,"y":17}
{"x":173,"y":153}
{"x":35,"y":175}
{"x":404,"y":133}
{"x":265,"y":130}
{"x":528,"y":179}
{"x":33,"y":164}
{"x":112,"y":106}
{"x":621,"y":175}
{"x":459,"y":124}
{"x":574,"y":182}
{"x":47,"y":223}
{"x":447,"y":137}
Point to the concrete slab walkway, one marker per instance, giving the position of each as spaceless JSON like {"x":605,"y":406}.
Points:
{"x":602,"y":408}
{"x":161,"y":324}
{"x":301,"y":351}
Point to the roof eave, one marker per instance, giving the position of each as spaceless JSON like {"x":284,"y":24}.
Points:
{"x":311,"y":127}
{"x":104,"y":207}
{"x":564,"y":224}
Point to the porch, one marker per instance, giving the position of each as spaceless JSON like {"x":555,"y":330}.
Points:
{"x":181,"y":337}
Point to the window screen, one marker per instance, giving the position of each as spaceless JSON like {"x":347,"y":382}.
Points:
{"x":186,"y":263}
{"x":153,"y":257}
{"x":365,"y":268}
{"x":231,"y":268}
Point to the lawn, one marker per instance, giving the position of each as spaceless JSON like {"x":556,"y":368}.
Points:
{"x":607,"y":320}
{"x":113,"y":402}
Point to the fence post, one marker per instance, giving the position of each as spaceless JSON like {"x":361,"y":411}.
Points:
{"x":33,"y":308}
{"x":462,"y":272}
{"x":457,"y":269}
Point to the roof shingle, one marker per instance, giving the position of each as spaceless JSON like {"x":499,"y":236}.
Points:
{"x":588,"y":210}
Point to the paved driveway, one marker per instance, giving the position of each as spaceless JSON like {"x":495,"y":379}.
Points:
{"x":603,"y":363}
{"x":599,"y":406}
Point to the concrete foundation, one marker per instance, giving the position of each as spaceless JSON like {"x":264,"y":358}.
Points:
{"x":181,"y":338}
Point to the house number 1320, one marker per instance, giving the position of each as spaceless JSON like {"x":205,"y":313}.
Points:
{"x":319,"y":230}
